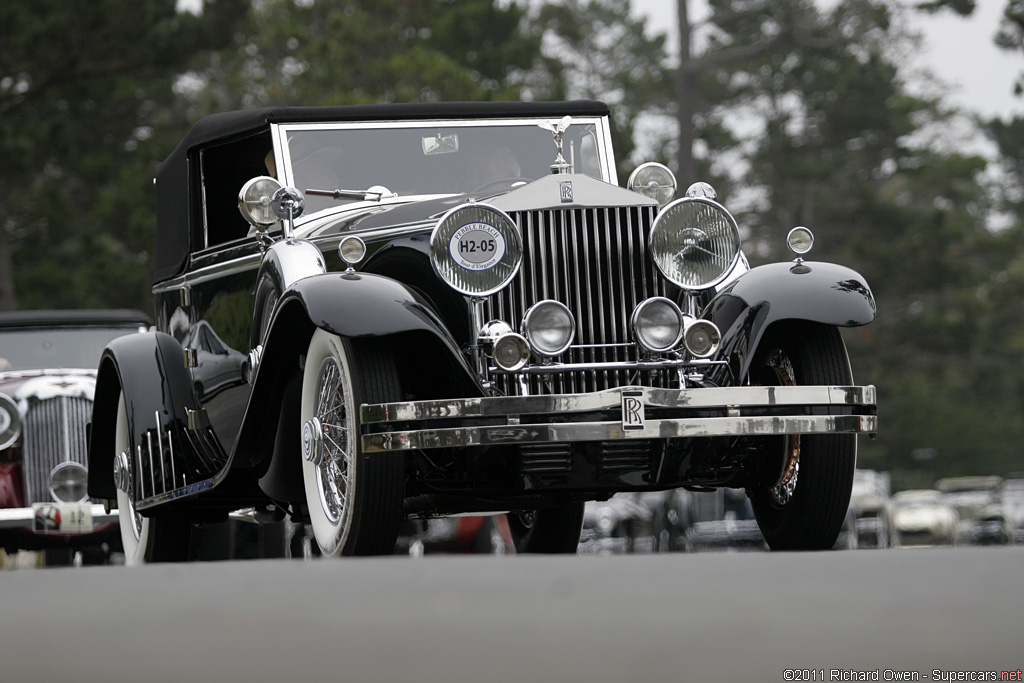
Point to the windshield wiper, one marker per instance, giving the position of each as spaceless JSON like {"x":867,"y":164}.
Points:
{"x":374,"y":193}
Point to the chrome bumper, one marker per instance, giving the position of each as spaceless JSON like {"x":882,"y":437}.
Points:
{"x":13,"y":518}
{"x":726,"y":411}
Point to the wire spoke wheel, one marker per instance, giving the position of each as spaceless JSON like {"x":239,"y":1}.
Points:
{"x":355,"y":502}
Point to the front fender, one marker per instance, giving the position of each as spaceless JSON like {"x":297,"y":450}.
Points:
{"x":150,"y":369}
{"x":359,"y":306}
{"x":819,"y":292}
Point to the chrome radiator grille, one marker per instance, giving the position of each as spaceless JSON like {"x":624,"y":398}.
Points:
{"x":594,"y":261}
{"x":54,"y":432}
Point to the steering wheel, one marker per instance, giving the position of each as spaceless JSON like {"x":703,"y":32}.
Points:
{"x":504,"y":180}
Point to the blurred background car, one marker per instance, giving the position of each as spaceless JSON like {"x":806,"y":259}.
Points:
{"x":922,"y":517}
{"x":619,"y":525}
{"x":869,"y":509}
{"x":465,"y":535}
{"x":48,"y":362}
{"x":1013,"y":499}
{"x":970,"y":496}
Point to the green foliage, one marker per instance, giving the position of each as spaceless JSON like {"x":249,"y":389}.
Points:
{"x":596,"y":49}
{"x":357,"y":51}
{"x":84,"y":89}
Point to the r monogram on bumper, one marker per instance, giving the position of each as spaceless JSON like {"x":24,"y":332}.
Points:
{"x":632,"y":411}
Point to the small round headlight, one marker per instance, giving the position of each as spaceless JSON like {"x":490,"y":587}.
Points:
{"x":653,"y":180}
{"x":549,"y":326}
{"x":702,"y":338}
{"x":68,"y":483}
{"x":695,"y":242}
{"x":511,"y":352}
{"x":476,"y":249}
{"x":255,"y":201}
{"x":658,"y":324}
{"x":800,"y":240}
{"x":10,"y":421}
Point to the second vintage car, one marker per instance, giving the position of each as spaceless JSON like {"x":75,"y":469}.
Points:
{"x":450,"y":309}
{"x":47,"y":379}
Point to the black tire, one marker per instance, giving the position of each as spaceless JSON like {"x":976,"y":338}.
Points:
{"x":808,"y":514}
{"x":551,"y":530}
{"x":355,"y":504}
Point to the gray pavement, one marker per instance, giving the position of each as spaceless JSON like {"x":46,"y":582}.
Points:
{"x":704,"y":617}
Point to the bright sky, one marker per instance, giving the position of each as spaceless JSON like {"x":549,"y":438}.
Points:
{"x":958,"y":51}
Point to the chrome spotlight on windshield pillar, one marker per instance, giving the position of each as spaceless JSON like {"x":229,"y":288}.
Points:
{"x":655,"y":181}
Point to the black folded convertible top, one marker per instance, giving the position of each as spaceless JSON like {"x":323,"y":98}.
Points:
{"x":172,"y":241}
{"x":73,"y":318}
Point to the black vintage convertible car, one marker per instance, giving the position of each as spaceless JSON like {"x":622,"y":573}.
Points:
{"x":445,"y":309}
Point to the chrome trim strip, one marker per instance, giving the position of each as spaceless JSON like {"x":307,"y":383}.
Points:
{"x":638,"y":366}
{"x":160,"y":446}
{"x":244,"y":263}
{"x":612,"y":431}
{"x":13,"y":518}
{"x":211,"y":272}
{"x":720,"y":397}
{"x":180,"y":492}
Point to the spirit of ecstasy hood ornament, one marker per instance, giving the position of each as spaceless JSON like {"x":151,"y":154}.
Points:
{"x":557,"y":130}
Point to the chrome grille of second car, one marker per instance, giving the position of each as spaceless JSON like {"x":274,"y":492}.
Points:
{"x":595,"y":262}
{"x":54,"y":432}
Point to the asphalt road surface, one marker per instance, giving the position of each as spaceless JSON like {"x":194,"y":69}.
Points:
{"x":929,"y":613}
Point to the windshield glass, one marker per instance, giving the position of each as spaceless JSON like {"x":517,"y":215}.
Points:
{"x":56,"y":348}
{"x":430,"y":159}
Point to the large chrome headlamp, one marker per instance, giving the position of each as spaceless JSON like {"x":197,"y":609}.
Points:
{"x":549,"y":326}
{"x":695,"y":242}
{"x":476,"y":249}
{"x":10,"y":421}
{"x":256,"y":202}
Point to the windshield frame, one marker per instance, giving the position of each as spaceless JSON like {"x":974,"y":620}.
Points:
{"x":282,"y":132}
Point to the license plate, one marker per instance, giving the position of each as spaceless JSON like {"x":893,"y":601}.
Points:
{"x":64,"y":518}
{"x":632,"y":411}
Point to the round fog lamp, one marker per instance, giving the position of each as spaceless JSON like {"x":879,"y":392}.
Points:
{"x":549,"y":327}
{"x":511,"y":352}
{"x":658,"y":324}
{"x":702,"y":338}
{"x":68,"y":483}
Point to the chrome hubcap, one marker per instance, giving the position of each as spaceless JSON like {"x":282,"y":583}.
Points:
{"x":313,"y":441}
